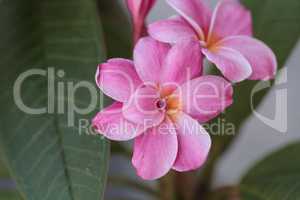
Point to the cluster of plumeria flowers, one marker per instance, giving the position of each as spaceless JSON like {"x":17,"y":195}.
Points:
{"x":163,"y":96}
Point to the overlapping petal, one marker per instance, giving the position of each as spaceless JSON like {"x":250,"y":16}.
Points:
{"x":155,"y":151}
{"x":259,"y":55}
{"x":205,"y":97}
{"x":117,"y":78}
{"x":142,"y":107}
{"x":233,"y":65}
{"x":195,"y":12}
{"x":229,"y":18}
{"x":111,"y":123}
{"x":183,"y":62}
{"x":193,"y":144}
{"x":149,"y":56}
{"x":171,"y":30}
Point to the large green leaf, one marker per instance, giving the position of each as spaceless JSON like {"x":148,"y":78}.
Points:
{"x":7,"y":186}
{"x":49,"y":157}
{"x":116,"y":28}
{"x":276,"y":177}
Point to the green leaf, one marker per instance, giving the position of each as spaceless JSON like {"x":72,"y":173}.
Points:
{"x":116,"y":28}
{"x":276,"y":177}
{"x":7,"y":189}
{"x":49,"y":157}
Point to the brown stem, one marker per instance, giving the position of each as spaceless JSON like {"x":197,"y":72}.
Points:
{"x":166,"y":187}
{"x":225,"y":193}
{"x":203,"y":186}
{"x":185,"y":185}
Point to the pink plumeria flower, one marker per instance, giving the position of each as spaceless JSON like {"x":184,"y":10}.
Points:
{"x":139,"y":10}
{"x":159,"y":100}
{"x":225,"y":36}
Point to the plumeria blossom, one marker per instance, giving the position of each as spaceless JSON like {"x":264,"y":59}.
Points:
{"x":225,"y":37}
{"x":139,"y":10}
{"x":160,"y":97}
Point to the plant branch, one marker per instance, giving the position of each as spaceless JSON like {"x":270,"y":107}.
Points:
{"x":166,"y":187}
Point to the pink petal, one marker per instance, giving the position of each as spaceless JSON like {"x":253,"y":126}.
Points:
{"x":117,"y":78}
{"x":230,"y":18}
{"x":149,"y":56}
{"x":111,"y":123}
{"x":260,"y":56}
{"x":171,"y":30}
{"x":140,"y":7}
{"x":155,"y":151}
{"x":230,"y":62}
{"x":139,"y":10}
{"x":142,"y":107}
{"x":205,"y":97}
{"x":193,"y":144}
{"x":195,"y":12}
{"x":184,"y":62}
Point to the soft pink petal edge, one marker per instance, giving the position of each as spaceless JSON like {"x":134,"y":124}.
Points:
{"x":110,"y":123}
{"x":183,"y":62}
{"x":149,"y":56}
{"x":171,"y":30}
{"x":141,"y":107}
{"x":155,"y":151}
{"x":193,"y":144}
{"x":226,"y":20}
{"x":261,"y":58}
{"x":233,"y":65}
{"x":117,"y":78}
{"x":196,"y":12}
{"x":205,"y":97}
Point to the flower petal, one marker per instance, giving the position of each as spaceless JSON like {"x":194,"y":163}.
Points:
{"x":184,"y":62}
{"x":195,"y":12}
{"x":171,"y":30}
{"x":117,"y":78}
{"x":229,"y":18}
{"x":149,"y":56}
{"x":111,"y":123}
{"x":139,"y":10}
{"x":142,"y":107}
{"x":230,"y":62}
{"x":205,"y":97}
{"x":193,"y":144}
{"x":260,"y":56}
{"x":155,"y":151}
